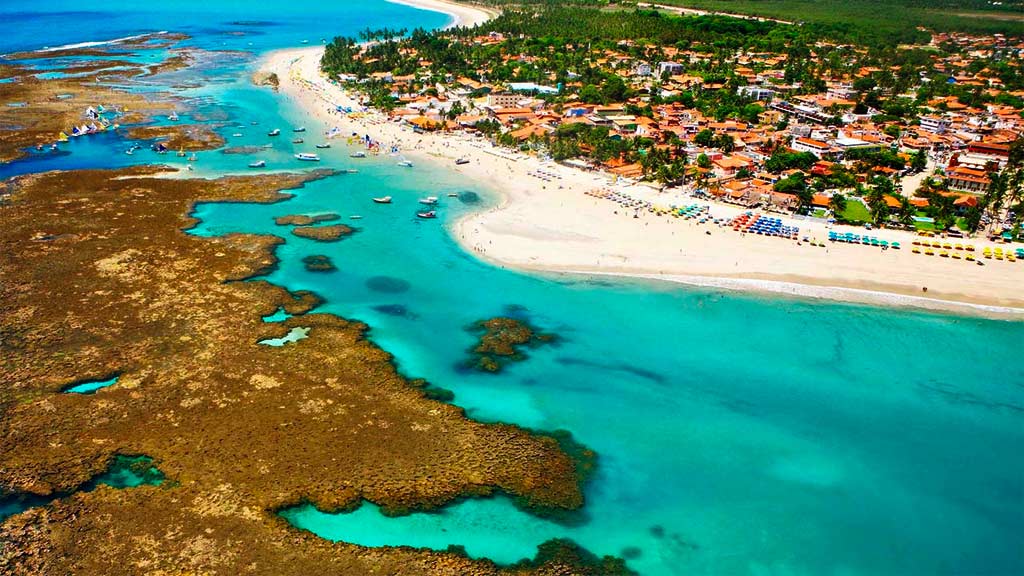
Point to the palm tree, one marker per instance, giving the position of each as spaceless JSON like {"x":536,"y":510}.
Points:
{"x":837,"y":203}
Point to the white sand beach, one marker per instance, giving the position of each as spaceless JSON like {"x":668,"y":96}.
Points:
{"x":462,"y":14}
{"x":551,"y":224}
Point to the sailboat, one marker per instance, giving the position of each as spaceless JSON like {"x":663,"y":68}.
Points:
{"x":173,"y":117}
{"x":193,"y":157}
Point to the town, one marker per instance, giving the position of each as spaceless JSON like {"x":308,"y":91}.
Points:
{"x":759,"y":114}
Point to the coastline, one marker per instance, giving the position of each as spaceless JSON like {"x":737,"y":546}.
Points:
{"x":553,"y":226}
{"x":462,"y":14}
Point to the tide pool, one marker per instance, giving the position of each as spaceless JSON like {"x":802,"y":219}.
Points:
{"x":736,"y":434}
{"x":90,"y":386}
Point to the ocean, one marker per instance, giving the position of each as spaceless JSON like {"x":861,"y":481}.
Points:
{"x":736,"y":434}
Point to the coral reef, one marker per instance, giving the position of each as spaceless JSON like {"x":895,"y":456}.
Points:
{"x":318,"y":263}
{"x":331,"y":233}
{"x":501,"y":340}
{"x":112,"y":285}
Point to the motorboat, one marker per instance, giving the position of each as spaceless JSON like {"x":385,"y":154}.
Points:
{"x":453,"y":194}
{"x":356,"y":217}
{"x":236,"y":135}
{"x":429,"y":200}
{"x":324,"y":145}
{"x":274,"y":132}
{"x":359,"y":154}
{"x":299,"y":129}
{"x":258,"y":164}
{"x":298,"y":141}
{"x":426,"y":215}
{"x":173,"y":117}
{"x":384,"y":200}
{"x":405,"y":164}
{"x":307,"y":157}
{"x":461,"y":161}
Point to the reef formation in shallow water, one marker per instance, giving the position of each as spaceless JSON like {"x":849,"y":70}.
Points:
{"x":501,"y":340}
{"x":243,"y":429}
{"x":318,"y":263}
{"x":331,"y":233}
{"x":305,"y":219}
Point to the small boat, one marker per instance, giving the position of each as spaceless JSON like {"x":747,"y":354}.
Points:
{"x":274,"y":132}
{"x":193,"y":157}
{"x":258,"y":164}
{"x":405,"y":164}
{"x":461,"y":161}
{"x":429,"y":200}
{"x":236,"y":135}
{"x":324,"y":145}
{"x":453,"y":194}
{"x":299,"y":129}
{"x":130,"y":152}
{"x":298,"y":141}
{"x":384,"y":200}
{"x":253,"y":123}
{"x":39,"y":147}
{"x":307,"y":157}
{"x":181,"y":152}
{"x":53,"y":146}
{"x":359,"y":154}
{"x":356,"y":217}
{"x":173,"y":117}
{"x":189,"y":167}
{"x":426,"y":215}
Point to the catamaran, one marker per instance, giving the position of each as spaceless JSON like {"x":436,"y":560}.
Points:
{"x":307,"y":157}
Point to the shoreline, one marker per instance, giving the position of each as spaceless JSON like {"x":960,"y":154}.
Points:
{"x":461,"y":14}
{"x":553,"y":226}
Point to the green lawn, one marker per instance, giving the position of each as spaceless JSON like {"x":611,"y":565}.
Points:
{"x":856,"y":212}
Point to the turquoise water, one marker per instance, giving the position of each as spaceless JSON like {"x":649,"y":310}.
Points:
{"x":123,"y":472}
{"x":736,"y":434}
{"x":91,"y":386}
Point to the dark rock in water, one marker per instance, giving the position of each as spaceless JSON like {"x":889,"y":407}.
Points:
{"x":501,"y":341}
{"x":318,"y":263}
{"x":323,"y":233}
{"x":658,"y":531}
{"x":565,"y":552}
{"x":243,"y":150}
{"x":469,"y":197}
{"x":388,"y":285}
{"x":305,"y":220}
{"x":397,"y":310}
{"x":631,"y":552}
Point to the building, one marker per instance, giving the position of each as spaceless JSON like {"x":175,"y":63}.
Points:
{"x":672,"y":68}
{"x":816,"y":147}
{"x":935,"y":124}
{"x":756,"y":92}
{"x":964,"y":179}
{"x":503,"y":100}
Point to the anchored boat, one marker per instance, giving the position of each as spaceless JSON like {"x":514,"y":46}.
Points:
{"x":427,"y":215}
{"x":307,"y":157}
{"x":384,"y":200}
{"x":274,"y":132}
{"x":258,"y":164}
